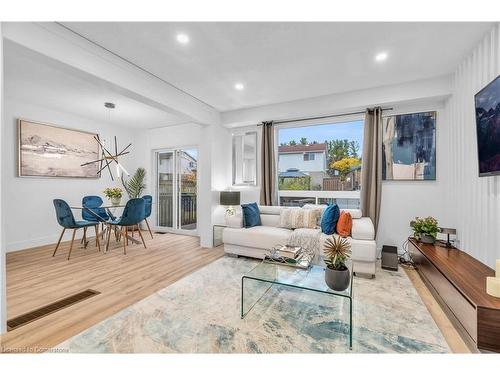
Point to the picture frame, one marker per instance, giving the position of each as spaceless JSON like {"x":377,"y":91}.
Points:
{"x":409,"y":147}
{"x":50,"y":151}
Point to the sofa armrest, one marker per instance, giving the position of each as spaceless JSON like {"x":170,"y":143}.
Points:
{"x":362,"y":229}
{"x":234,"y":221}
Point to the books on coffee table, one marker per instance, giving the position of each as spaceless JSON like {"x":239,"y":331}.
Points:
{"x":293,"y":256}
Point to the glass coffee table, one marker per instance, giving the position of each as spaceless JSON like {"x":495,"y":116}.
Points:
{"x":259,"y":280}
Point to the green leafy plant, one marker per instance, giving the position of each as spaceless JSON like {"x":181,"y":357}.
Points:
{"x":421,"y":226}
{"x":344,"y":166}
{"x":337,"y":250}
{"x":135,"y":185}
{"x":113,"y":193}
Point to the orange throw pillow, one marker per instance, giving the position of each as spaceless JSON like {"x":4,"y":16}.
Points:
{"x":344,"y":225}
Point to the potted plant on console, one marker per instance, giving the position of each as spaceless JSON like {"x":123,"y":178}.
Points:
{"x":337,"y":250}
{"x":425,"y":230}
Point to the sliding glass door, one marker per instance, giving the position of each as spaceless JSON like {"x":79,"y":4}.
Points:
{"x":177,"y":184}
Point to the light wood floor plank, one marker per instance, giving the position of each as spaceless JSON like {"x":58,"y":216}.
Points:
{"x":35,"y":279}
{"x":450,"y":333}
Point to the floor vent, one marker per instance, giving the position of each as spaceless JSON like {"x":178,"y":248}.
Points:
{"x":24,"y":319}
{"x":161,"y":232}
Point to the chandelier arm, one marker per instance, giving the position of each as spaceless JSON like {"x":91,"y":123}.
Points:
{"x":109,"y":169}
{"x":121,"y":153}
{"x":105,"y":150}
{"x":93,"y":161}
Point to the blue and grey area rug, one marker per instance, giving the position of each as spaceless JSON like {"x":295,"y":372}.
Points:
{"x":201,"y":314}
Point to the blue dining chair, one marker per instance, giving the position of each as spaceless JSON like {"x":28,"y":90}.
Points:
{"x":66,"y":219}
{"x":133,"y":214}
{"x":92,"y":211}
{"x":148,"y":200}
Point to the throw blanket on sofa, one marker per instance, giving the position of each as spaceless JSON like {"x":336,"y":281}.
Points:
{"x":306,"y":238}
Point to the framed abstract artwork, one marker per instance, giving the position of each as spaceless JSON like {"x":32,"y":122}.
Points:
{"x":409,"y":147}
{"x":50,"y":151}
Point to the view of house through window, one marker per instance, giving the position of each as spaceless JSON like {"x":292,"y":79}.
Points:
{"x":320,"y":164}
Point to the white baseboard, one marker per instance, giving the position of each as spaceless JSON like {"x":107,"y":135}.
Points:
{"x":40,"y":241}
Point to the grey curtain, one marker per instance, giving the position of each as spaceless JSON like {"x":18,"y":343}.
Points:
{"x":268,"y":195}
{"x":371,"y":172}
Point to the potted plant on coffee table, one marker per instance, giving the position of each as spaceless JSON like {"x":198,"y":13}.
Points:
{"x":425,"y":230}
{"x":337,"y":251}
{"x":114,"y":195}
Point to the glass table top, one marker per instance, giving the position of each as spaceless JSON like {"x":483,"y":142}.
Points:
{"x":312,"y":278}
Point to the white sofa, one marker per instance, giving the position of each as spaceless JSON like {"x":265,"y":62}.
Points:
{"x":255,"y":242}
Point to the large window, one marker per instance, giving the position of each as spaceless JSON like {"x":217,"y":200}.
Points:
{"x":320,"y":164}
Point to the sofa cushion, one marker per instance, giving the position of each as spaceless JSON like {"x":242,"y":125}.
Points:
{"x":251,"y":215}
{"x":302,"y":218}
{"x":270,"y":220}
{"x":344,"y":225}
{"x":362,"y":229}
{"x":320,"y":208}
{"x":270,"y":210}
{"x":355,"y":213}
{"x":262,"y":237}
{"x":330,"y":218}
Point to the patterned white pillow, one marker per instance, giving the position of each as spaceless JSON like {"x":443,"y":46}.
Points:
{"x":293,"y":218}
{"x":319,"y":207}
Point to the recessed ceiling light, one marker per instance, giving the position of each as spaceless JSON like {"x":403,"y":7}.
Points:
{"x":182,"y":38}
{"x":382,"y":56}
{"x":239,"y":86}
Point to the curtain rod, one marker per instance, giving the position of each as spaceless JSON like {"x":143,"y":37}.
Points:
{"x":323,"y":117}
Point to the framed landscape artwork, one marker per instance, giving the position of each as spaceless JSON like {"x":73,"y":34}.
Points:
{"x":51,"y":151}
{"x":409,"y":147}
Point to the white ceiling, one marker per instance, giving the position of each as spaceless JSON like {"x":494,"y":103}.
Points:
{"x":281,"y":62}
{"x":34,"y":78}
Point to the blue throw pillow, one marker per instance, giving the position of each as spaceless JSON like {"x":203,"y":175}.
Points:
{"x":251,"y":215}
{"x":330,"y":218}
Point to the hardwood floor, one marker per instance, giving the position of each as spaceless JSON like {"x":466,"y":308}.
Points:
{"x":450,"y":333}
{"x":35,"y":279}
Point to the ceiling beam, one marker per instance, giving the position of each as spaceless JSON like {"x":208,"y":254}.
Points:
{"x":66,"y":47}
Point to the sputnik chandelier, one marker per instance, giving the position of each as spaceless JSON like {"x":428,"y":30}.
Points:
{"x":107,"y":157}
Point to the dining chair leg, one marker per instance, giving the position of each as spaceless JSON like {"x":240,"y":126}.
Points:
{"x":142,"y":238}
{"x":125,"y":241}
{"x":59,"y":242}
{"x":133,"y":230}
{"x":85,"y":242}
{"x":71,"y":245}
{"x":126,"y":235}
{"x":109,"y":236}
{"x":149,"y":229}
{"x":83,"y":237}
{"x":97,"y":242}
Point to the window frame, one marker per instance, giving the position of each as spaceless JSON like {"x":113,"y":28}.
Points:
{"x":242,"y":133}
{"x":319,"y":194}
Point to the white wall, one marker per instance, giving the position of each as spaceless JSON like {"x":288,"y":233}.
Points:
{"x":28,"y":201}
{"x":402,"y":201}
{"x":473,"y":202}
{"x":3,"y":292}
{"x":214,"y":161}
